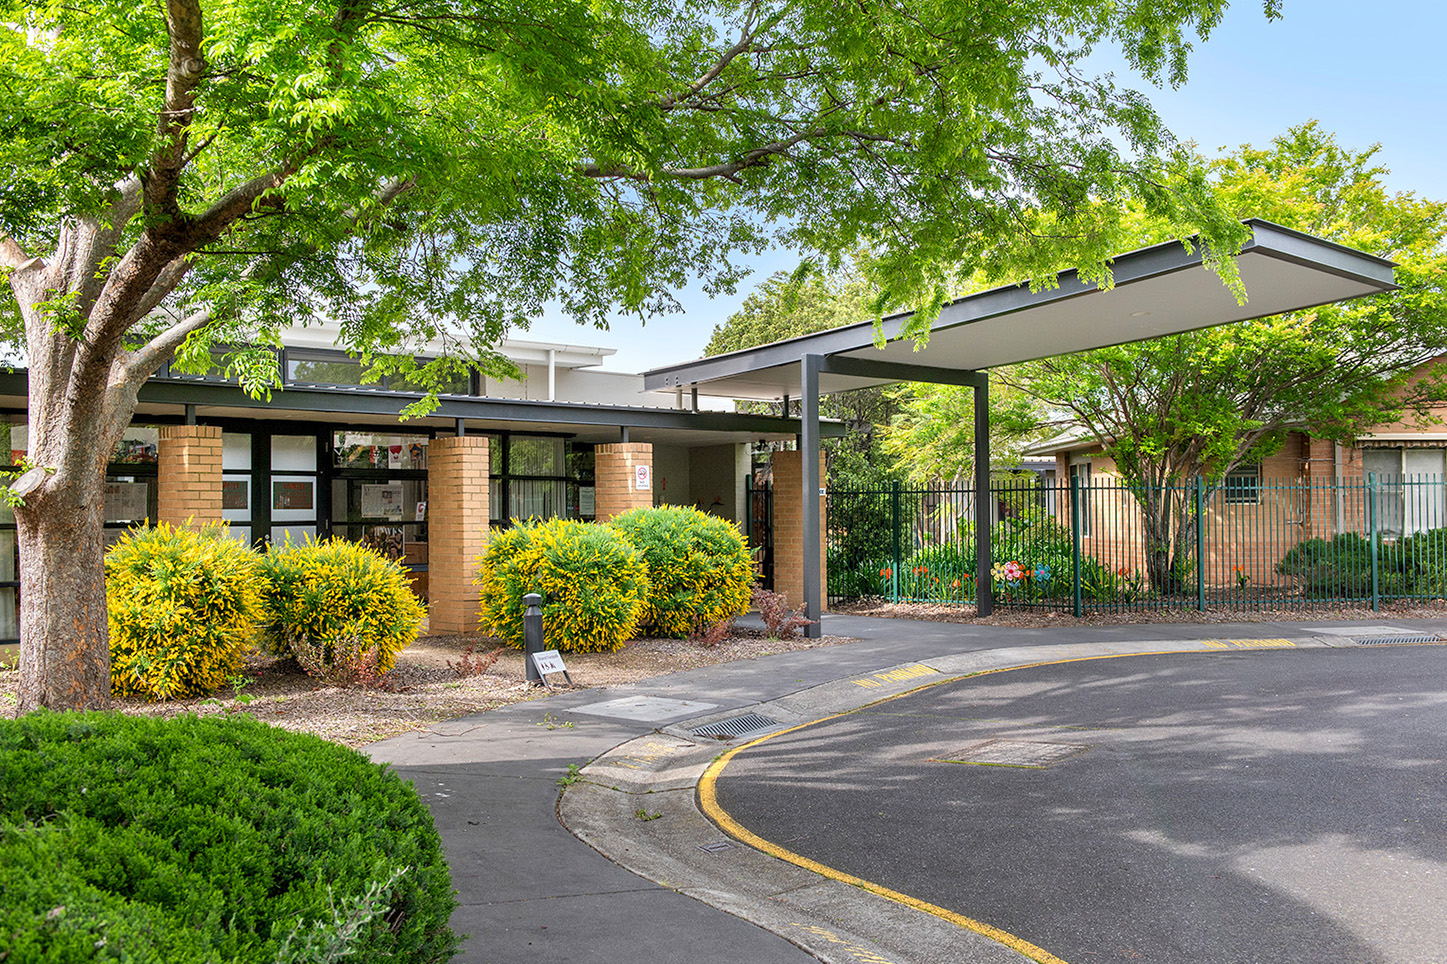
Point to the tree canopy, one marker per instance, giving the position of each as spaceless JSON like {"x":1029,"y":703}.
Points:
{"x":1203,"y":403}
{"x":190,"y":173}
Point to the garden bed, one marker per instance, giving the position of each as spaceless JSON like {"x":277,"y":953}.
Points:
{"x":423,"y":691}
{"x":1041,"y":618}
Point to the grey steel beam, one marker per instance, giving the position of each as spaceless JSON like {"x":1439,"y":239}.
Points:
{"x":900,"y":371}
{"x":343,"y":401}
{"x":809,"y":473}
{"x":984,"y":505}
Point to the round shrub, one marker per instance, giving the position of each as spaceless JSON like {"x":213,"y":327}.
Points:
{"x":330,"y":602}
{"x":207,"y":839}
{"x":699,"y":565}
{"x":592,"y":580}
{"x":183,"y":606}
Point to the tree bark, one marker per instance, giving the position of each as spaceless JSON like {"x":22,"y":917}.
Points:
{"x":64,"y":638}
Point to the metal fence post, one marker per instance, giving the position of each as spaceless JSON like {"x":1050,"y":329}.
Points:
{"x":532,"y":635}
{"x":898,"y":552}
{"x":1075,"y":542}
{"x":1200,"y":545}
{"x":1372,"y":539}
{"x":749,"y":513}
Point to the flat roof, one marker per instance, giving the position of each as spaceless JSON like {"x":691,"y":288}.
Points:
{"x":166,"y":399}
{"x":1159,"y":290}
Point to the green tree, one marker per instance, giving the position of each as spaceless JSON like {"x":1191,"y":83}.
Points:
{"x":189,"y":173}
{"x":1201,"y":404}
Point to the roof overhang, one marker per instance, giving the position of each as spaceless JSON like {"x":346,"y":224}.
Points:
{"x":1160,"y":290}
{"x":167,"y":400}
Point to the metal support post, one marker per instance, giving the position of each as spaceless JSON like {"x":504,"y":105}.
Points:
{"x":809,"y":474}
{"x":984,"y":588}
{"x":532,"y":635}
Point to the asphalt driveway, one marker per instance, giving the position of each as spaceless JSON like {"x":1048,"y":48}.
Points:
{"x":1282,"y":807}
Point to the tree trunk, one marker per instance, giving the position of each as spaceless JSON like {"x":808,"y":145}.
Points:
{"x":65,"y":657}
{"x":65,"y":646}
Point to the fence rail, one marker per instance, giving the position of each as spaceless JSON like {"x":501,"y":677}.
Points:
{"x":1104,"y":545}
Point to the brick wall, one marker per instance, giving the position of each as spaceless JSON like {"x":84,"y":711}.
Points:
{"x":615,"y":471}
{"x":789,"y":529}
{"x":188,"y":484}
{"x":457,"y":530}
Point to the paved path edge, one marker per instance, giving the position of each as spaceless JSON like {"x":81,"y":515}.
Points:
{"x":638,"y":805}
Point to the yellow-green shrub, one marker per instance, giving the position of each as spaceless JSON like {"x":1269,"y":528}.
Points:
{"x":335,"y":600}
{"x":593,"y":583}
{"x":183,"y":606}
{"x":699,"y":565}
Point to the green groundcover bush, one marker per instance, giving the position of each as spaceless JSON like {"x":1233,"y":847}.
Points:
{"x":209,"y":840}
{"x":183,"y":606}
{"x":592,"y":580}
{"x":338,"y":599}
{"x":700,"y":569}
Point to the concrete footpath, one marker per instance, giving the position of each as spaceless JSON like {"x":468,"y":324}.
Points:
{"x":532,"y":890}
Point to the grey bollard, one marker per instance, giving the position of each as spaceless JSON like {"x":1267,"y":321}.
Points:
{"x":532,"y":635}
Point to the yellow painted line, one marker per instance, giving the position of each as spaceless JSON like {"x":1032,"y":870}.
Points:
{"x":875,"y":680}
{"x":708,"y":803}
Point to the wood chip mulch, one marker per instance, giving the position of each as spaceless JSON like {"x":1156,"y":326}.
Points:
{"x":423,"y":690}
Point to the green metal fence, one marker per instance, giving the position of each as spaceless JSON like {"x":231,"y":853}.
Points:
{"x":1081,"y":546}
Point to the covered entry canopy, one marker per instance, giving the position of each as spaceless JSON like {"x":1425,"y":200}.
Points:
{"x":1160,"y":290}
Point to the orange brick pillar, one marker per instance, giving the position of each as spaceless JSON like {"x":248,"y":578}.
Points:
{"x":789,"y":530}
{"x":624,"y":474}
{"x":188,"y":483}
{"x":457,"y":530}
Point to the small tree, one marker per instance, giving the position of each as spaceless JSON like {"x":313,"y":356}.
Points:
{"x":1200,"y":404}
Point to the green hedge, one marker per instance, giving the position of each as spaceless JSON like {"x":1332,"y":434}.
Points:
{"x":592,"y":580}
{"x":207,"y":840}
{"x":183,"y":607}
{"x":700,"y":569}
{"x":338,"y":599}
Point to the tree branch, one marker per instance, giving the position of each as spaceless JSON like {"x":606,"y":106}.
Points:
{"x":186,"y":67}
{"x":164,"y":284}
{"x":728,"y":169}
{"x":142,"y":363}
{"x":97,"y":242}
{"x":746,"y":41}
{"x":12,"y":255}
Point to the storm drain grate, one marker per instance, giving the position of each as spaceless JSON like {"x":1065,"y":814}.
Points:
{"x":717,"y":847}
{"x":1397,"y":640}
{"x":736,"y":726}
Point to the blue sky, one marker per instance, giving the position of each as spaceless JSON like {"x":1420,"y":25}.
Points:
{"x":1372,"y":73}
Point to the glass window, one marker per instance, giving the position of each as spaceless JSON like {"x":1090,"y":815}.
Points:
{"x":376,"y":450}
{"x":293,"y":453}
{"x":140,"y":444}
{"x":1243,"y":485}
{"x":235,"y":451}
{"x":455,"y":385}
{"x":535,"y":456}
{"x":304,"y":370}
{"x":1081,"y":471}
{"x":581,"y":461}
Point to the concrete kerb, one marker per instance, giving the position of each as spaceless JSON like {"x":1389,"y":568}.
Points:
{"x":637,"y":804}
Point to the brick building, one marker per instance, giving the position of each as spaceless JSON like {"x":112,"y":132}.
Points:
{"x":328,"y":456}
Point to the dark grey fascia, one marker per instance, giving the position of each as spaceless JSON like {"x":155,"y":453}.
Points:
{"x":347,"y":401}
{"x":1271,"y":240}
